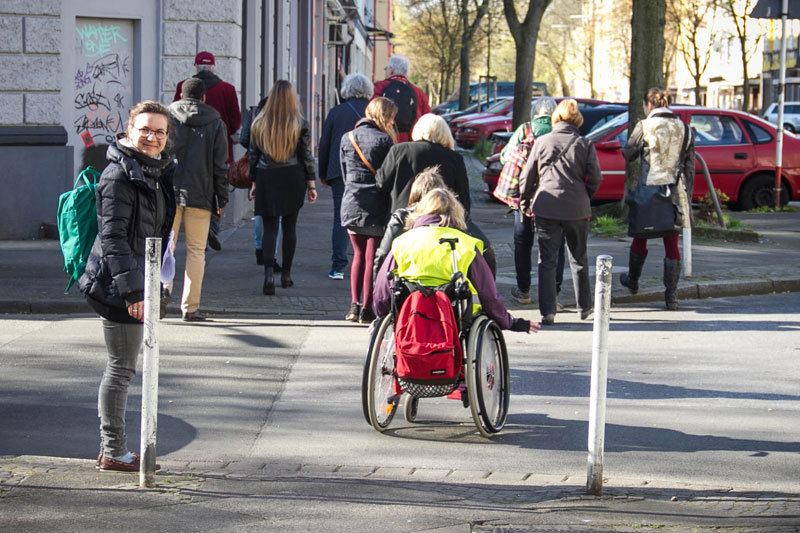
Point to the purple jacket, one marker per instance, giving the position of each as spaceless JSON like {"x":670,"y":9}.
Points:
{"x":479,"y":274}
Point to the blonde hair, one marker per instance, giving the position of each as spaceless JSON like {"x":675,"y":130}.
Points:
{"x":442,"y":202}
{"x":276,"y":129}
{"x":425,"y":181}
{"x":433,"y":128}
{"x":567,"y":111}
{"x":657,"y":97}
{"x":382,"y":111}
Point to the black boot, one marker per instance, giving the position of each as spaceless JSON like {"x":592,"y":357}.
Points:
{"x":631,"y":278}
{"x":286,"y":279}
{"x":672,"y":273}
{"x":269,"y":282}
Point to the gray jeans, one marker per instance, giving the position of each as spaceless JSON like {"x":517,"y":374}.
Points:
{"x":123,"y":342}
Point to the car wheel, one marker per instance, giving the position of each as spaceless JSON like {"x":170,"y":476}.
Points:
{"x":789,"y":128}
{"x":757,"y":192}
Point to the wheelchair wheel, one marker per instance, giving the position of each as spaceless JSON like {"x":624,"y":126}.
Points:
{"x":378,"y":397}
{"x":488,"y":377}
{"x":410,"y":407}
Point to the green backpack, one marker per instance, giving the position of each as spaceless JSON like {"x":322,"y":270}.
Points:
{"x":77,"y":223}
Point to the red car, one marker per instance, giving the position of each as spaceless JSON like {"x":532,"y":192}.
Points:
{"x":738,"y":148}
{"x":501,"y":107}
{"x":469,"y":133}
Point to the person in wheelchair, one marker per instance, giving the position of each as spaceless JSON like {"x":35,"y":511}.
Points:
{"x":418,"y":257}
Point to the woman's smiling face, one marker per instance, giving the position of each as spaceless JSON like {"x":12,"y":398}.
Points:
{"x":148,"y":134}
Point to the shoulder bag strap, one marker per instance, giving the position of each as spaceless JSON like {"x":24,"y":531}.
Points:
{"x":358,"y":115}
{"x":359,"y":152}
{"x":558,"y":157}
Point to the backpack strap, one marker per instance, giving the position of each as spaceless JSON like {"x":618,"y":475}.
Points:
{"x":358,"y":150}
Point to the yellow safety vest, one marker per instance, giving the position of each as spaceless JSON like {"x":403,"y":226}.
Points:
{"x":420,"y":258}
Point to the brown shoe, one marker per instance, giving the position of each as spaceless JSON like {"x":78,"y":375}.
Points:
{"x":108,"y":464}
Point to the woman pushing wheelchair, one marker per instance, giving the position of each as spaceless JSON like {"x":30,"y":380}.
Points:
{"x":418,"y":257}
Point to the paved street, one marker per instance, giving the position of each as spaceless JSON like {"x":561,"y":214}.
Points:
{"x":261,"y":426}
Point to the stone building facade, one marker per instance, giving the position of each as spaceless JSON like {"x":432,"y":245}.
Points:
{"x":72,"y":69}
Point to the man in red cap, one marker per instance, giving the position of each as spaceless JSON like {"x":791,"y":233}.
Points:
{"x":221,"y":96}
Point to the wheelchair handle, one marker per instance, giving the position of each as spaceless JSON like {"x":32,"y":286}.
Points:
{"x":452,"y":242}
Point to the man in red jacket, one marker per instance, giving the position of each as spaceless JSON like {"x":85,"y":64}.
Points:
{"x":411,"y":101}
{"x":221,"y":96}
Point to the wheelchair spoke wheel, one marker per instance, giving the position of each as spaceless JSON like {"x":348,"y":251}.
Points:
{"x":378,"y":397}
{"x":410,"y":407}
{"x":488,"y":377}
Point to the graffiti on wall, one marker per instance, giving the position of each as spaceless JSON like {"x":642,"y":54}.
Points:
{"x":103,"y":83}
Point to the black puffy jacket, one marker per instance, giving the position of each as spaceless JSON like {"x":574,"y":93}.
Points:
{"x":135,"y":200}
{"x":302,"y":155}
{"x":362,"y":203}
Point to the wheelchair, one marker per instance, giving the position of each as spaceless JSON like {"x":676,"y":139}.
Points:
{"x":484,"y":385}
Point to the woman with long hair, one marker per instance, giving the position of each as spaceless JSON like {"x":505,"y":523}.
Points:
{"x":659,"y":140}
{"x":365,"y":208}
{"x":282,"y":172}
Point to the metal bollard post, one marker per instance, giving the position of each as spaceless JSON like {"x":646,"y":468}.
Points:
{"x":597,"y":400}
{"x":687,"y":252}
{"x":152,"y":297}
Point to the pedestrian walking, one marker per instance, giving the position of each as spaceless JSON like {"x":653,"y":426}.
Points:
{"x":258,"y":222}
{"x":356,"y":90}
{"x":556,"y":186}
{"x":220,"y":95}
{"x":411,"y":101}
{"x":364,"y":207}
{"x":199,"y":141}
{"x":282,"y":172}
{"x":513,"y":157}
{"x":135,"y":200}
{"x":665,"y":147}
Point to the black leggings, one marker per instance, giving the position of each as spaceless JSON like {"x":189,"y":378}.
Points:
{"x":289,"y":225}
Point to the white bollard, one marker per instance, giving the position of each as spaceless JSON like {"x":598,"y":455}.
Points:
{"x":597,"y":399}
{"x":152,"y":298}
{"x":687,"y":252}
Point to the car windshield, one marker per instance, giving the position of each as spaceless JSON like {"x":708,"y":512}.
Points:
{"x":497,"y":107}
{"x":609,"y":126}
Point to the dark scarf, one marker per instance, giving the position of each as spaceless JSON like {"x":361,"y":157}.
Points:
{"x":151,"y":167}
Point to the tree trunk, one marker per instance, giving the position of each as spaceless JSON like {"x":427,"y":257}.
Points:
{"x":463,"y":91}
{"x":647,"y":56}
{"x":563,"y":79}
{"x":745,"y":79}
{"x":525,"y":35}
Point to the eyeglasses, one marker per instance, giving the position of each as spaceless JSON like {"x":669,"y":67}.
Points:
{"x":147,"y":132}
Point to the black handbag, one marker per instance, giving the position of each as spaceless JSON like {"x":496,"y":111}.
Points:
{"x":652,"y":213}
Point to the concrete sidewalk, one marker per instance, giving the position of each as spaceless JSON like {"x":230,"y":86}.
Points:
{"x":32,"y":279}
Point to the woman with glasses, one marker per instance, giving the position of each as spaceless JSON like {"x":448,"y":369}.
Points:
{"x":282,"y":172}
{"x":135,"y":200}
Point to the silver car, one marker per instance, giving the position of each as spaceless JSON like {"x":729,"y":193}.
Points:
{"x":791,"y":115}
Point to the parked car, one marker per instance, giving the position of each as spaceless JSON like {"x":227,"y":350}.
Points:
{"x":500,"y":107}
{"x":477,"y":107}
{"x":738,"y":148}
{"x":478,"y":92}
{"x":471,"y":132}
{"x":791,"y":115}
{"x":593,"y":117}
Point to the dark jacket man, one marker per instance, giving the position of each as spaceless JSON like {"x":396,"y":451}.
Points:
{"x":199,"y":141}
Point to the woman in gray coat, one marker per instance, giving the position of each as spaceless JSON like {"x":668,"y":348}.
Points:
{"x":556,"y":186}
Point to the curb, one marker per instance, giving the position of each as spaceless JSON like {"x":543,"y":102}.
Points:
{"x":716,"y":289}
{"x":690,"y":291}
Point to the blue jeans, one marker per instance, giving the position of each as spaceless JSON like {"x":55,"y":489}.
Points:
{"x":123,"y":342}
{"x":339,"y":237}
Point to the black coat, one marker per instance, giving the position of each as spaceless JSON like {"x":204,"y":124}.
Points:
{"x":405,"y":160}
{"x":362,"y":203}
{"x":135,"y":200}
{"x":341,"y":119}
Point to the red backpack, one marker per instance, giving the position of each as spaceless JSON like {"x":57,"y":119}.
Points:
{"x":426,"y":339}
